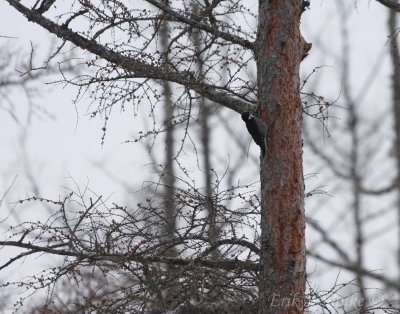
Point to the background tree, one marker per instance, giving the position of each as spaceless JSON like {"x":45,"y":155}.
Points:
{"x":392,"y":24}
{"x":356,"y":159}
{"x":129,"y":250}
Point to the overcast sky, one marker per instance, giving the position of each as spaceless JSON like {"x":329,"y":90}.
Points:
{"x":66,"y":142}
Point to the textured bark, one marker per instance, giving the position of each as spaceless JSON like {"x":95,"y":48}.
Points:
{"x":280,"y":49}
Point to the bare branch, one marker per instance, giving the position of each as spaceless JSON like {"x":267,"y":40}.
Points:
{"x":138,"y":68}
{"x":356,"y":269}
{"x":391,"y":4}
{"x":194,"y":23}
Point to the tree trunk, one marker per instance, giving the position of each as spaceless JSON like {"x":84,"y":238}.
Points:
{"x":169,"y":295}
{"x":354,"y":157}
{"x":395,"y":55}
{"x":280,"y":49}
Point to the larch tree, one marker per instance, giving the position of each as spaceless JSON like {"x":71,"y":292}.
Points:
{"x":279,"y":51}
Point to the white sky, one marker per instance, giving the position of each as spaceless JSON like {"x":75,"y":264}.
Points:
{"x":70,"y":144}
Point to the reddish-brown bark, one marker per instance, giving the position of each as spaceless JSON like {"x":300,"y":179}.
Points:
{"x":280,"y":49}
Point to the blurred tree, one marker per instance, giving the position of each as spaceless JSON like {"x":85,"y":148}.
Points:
{"x":395,"y":56}
{"x":351,"y":159}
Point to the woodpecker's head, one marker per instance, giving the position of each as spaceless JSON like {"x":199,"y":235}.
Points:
{"x":246,"y":116}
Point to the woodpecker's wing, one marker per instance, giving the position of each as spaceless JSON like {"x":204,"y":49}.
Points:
{"x":262,"y":130}
{"x":257,"y":129}
{"x":261,"y":126}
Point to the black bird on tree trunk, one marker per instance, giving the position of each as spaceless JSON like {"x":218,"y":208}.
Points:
{"x":257,"y":129}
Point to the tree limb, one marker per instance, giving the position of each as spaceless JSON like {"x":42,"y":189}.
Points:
{"x":356,"y":269}
{"x":215,"y":307}
{"x":212,"y":30}
{"x":139,"y":68}
{"x":129,"y":257}
{"x":390,"y":4}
